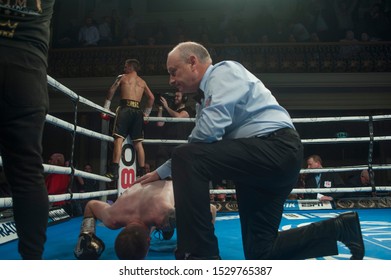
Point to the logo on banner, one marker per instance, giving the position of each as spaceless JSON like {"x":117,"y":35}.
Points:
{"x":315,"y":204}
{"x":291,"y":205}
{"x":7,"y":231}
{"x":127,"y":166}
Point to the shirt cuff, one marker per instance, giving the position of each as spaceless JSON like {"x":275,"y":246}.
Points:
{"x":164,"y":170}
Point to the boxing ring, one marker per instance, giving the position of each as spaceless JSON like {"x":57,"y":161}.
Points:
{"x":63,"y":230}
{"x":62,"y":237}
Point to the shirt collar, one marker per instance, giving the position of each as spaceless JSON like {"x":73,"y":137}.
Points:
{"x":205,"y":78}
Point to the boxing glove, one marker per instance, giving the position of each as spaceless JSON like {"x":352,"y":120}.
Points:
{"x":105,"y":116}
{"x":88,"y":247}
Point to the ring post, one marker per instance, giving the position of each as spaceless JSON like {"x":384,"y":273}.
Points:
{"x":127,"y":166}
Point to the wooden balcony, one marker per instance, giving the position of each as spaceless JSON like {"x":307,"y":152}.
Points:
{"x":258,"y":58}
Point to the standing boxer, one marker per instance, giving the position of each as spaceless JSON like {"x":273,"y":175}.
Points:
{"x":129,"y":117}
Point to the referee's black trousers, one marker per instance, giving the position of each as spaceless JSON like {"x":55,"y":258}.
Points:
{"x":264,"y":170}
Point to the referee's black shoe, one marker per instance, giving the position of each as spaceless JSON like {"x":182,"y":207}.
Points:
{"x":348,"y":231}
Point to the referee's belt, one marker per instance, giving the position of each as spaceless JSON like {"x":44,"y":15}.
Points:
{"x":129,"y":103}
{"x":278,"y":132}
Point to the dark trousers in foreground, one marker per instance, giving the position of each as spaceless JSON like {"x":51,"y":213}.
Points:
{"x":264,"y":171}
{"x":23,"y":107}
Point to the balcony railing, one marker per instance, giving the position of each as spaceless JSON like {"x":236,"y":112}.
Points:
{"x":258,"y":58}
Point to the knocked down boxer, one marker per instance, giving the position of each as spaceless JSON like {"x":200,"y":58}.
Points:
{"x":141,"y":210}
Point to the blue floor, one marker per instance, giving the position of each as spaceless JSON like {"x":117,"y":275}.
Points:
{"x":375,"y":223}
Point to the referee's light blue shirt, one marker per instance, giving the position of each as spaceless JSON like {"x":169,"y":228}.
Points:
{"x":236,"y":104}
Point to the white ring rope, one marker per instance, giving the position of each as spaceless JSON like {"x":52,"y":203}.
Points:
{"x":57,"y":85}
{"x":344,"y":140}
{"x":67,"y":170}
{"x":345,"y":168}
{"x":337,"y":119}
{"x":169,"y":119}
{"x":48,"y":168}
{"x":304,"y":141}
{"x":70,"y":127}
{"x":7,"y":202}
{"x":295,"y":120}
{"x":316,"y":190}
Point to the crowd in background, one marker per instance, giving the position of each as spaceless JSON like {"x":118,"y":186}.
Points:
{"x":314,"y":21}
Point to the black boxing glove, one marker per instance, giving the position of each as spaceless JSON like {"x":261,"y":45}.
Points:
{"x":88,"y":247}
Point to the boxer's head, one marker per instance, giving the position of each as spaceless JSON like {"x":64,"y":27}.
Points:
{"x":132,"y":243}
{"x":133,"y":63}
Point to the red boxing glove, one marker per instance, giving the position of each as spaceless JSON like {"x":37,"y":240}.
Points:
{"x":105,"y":117}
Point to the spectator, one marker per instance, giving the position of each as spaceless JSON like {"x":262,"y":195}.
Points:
{"x":377,"y":22}
{"x":130,"y":38}
{"x":299,"y":31}
{"x":319,"y":22}
{"x":57,"y":183}
{"x":89,"y":33}
{"x":173,"y":130}
{"x":350,"y":46}
{"x":160,"y":32}
{"x":349,"y":37}
{"x":280,"y":33}
{"x":105,"y":32}
{"x":147,"y":167}
{"x":87,"y":184}
{"x":115,"y":25}
{"x":360,"y":179}
{"x":322,"y":180}
{"x":343,"y":10}
{"x":299,"y":185}
{"x":314,"y":38}
{"x":180,"y":31}
{"x":221,"y":196}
